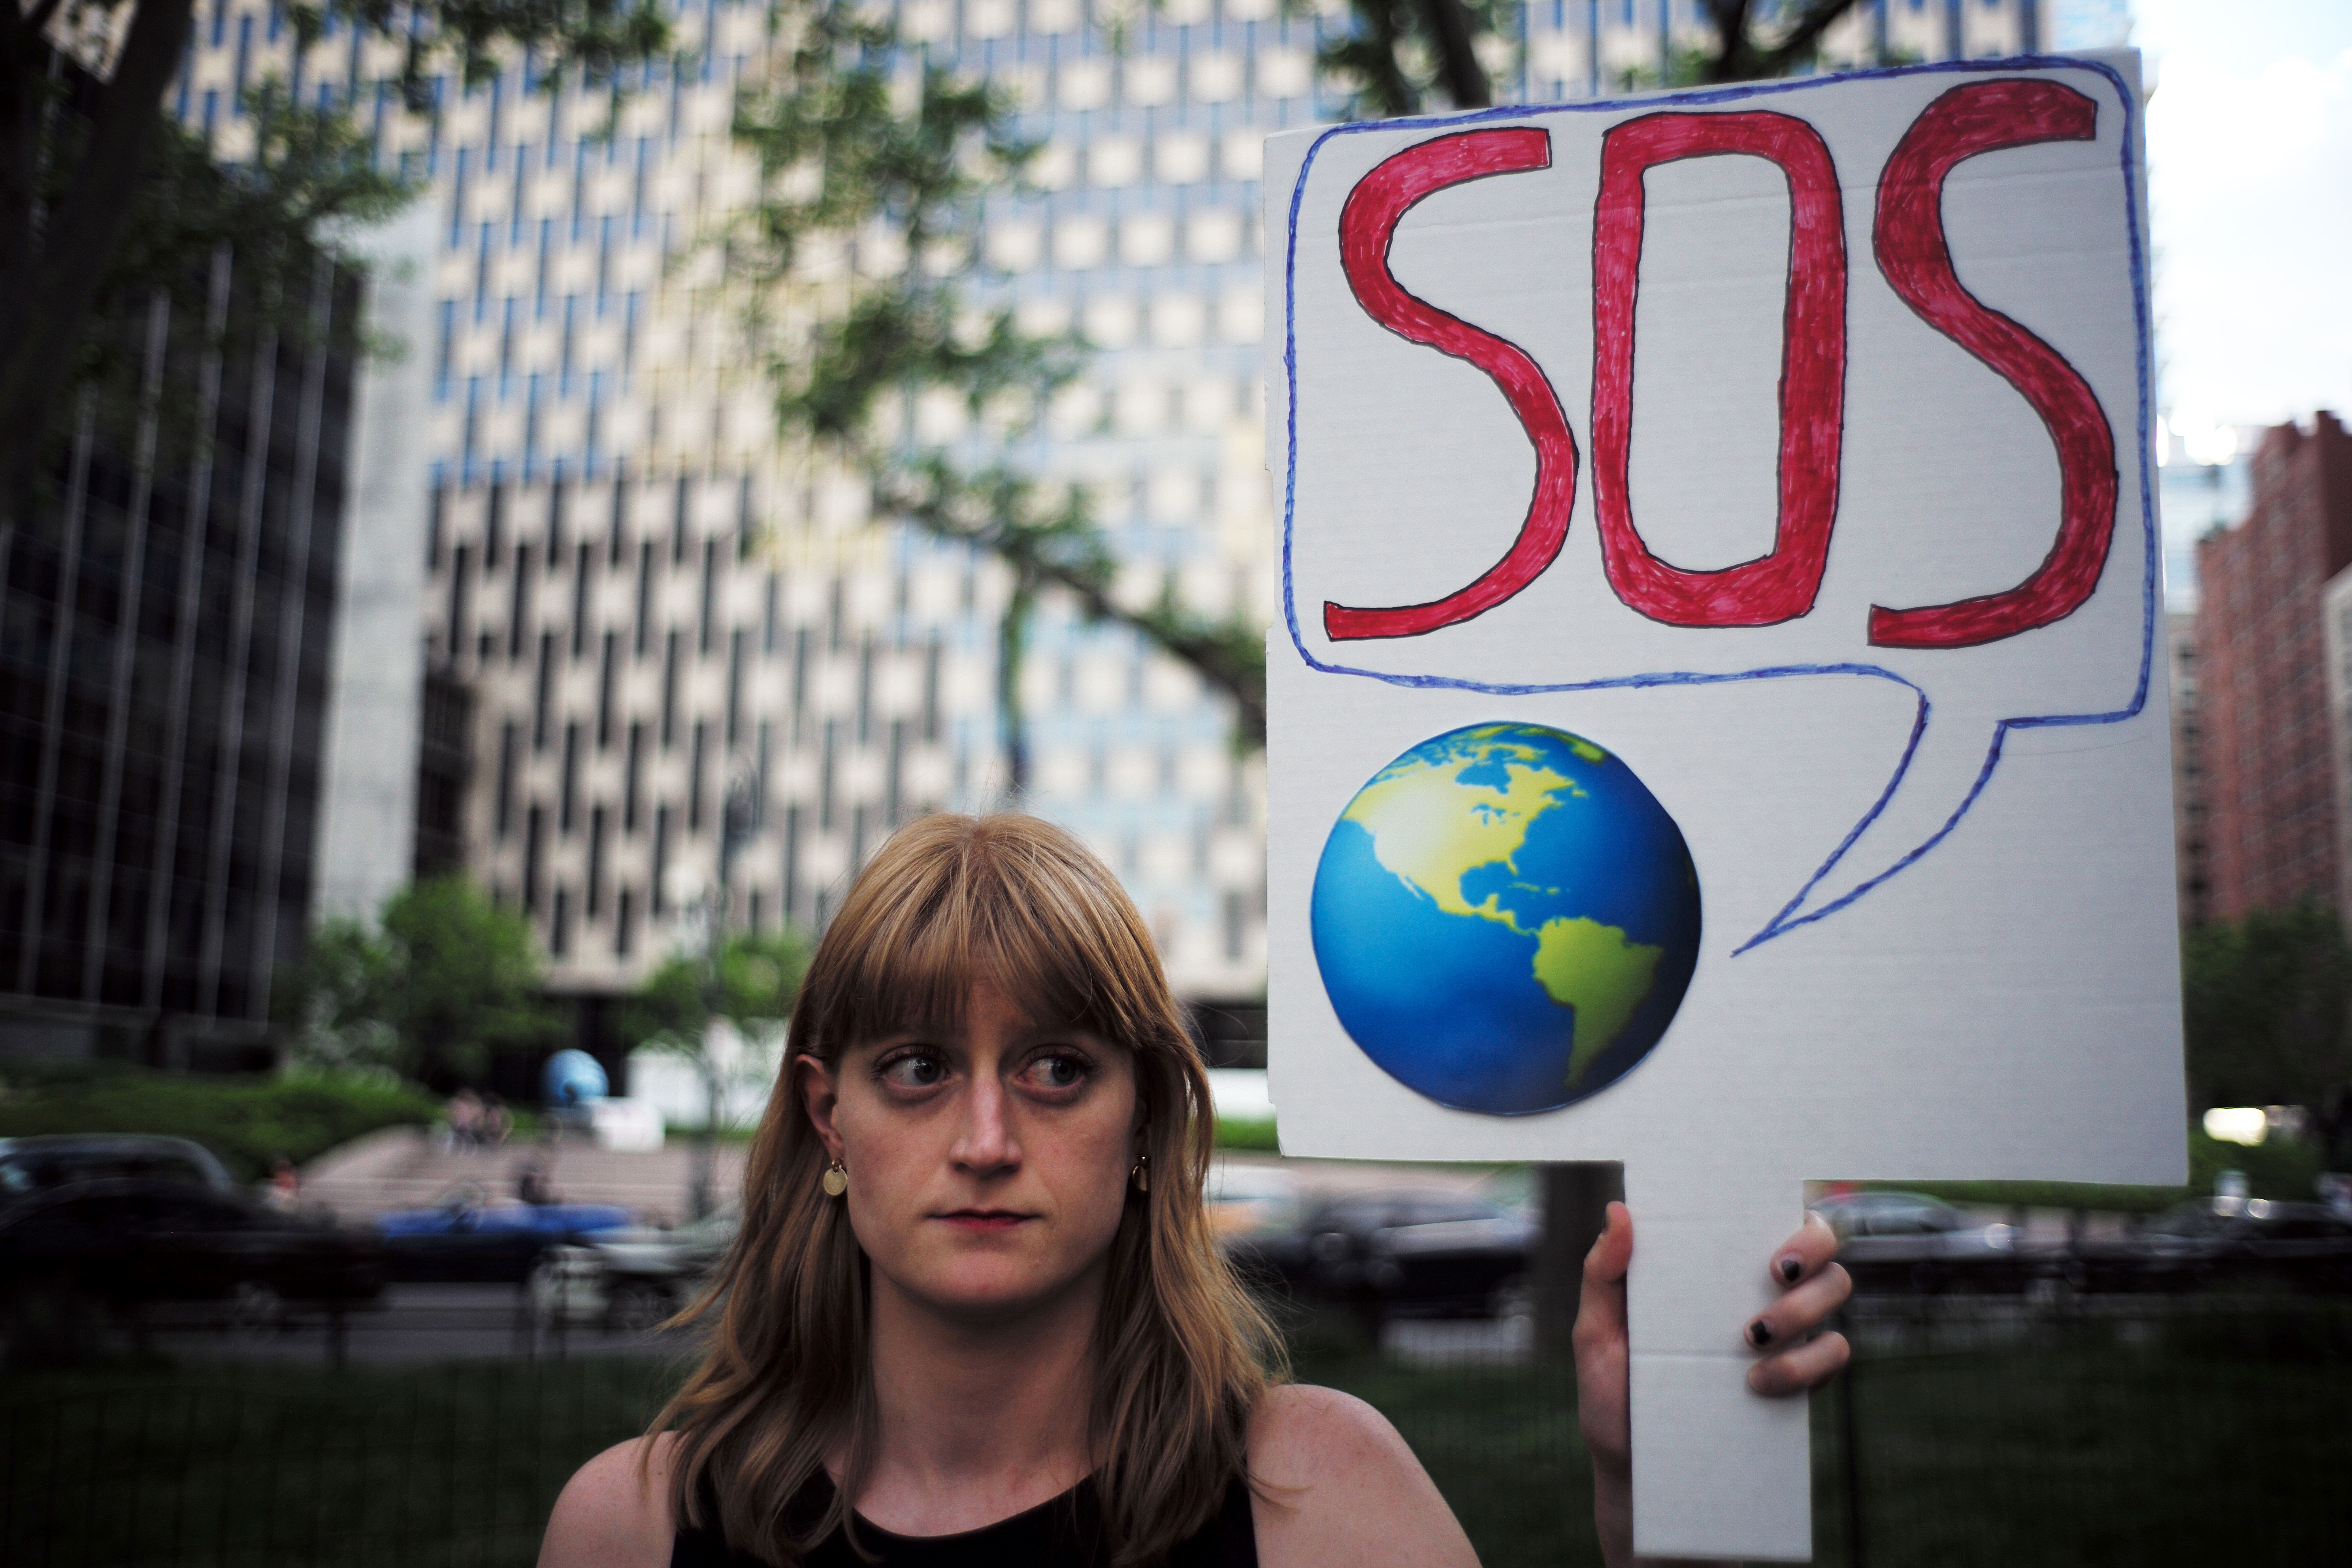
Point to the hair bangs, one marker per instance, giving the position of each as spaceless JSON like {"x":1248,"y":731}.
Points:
{"x":978,"y":904}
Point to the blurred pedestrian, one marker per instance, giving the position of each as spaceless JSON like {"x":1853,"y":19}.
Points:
{"x":285,"y":1186}
{"x":534,"y":1187}
{"x":465,"y":1114}
{"x":497,"y":1122}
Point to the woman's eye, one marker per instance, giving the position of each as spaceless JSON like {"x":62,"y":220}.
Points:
{"x":1058,"y":1072}
{"x":915,"y":1072}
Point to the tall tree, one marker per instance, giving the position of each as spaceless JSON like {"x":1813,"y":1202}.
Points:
{"x":2267,"y":1005}
{"x":748,"y":979}
{"x":89,"y":206}
{"x":445,"y":980}
{"x":855,"y":136}
{"x":1399,"y":57}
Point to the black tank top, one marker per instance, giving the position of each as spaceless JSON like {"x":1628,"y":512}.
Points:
{"x":1064,"y":1531}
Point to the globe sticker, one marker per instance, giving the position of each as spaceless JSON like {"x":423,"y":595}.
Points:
{"x":1777,"y":453}
{"x":1506,"y":919}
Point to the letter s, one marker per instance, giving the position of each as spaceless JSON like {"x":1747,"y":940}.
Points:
{"x":1917,"y":260}
{"x":1367,"y":224}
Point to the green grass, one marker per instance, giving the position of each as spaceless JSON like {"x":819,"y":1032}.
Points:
{"x":1246,"y":1133}
{"x":2276,"y":1168}
{"x":248,"y":1122}
{"x":2196,"y":1440}
{"x":276,"y":1467}
{"x":2180,"y":1455}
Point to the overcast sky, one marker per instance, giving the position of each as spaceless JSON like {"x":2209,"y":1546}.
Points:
{"x":2249,"y":180}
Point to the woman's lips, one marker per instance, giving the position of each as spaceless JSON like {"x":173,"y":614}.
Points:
{"x":984,"y":1219}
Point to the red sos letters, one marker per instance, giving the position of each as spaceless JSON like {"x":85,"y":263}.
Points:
{"x":1908,"y":240}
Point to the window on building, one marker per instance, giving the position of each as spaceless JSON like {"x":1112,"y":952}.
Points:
{"x":518,"y":603}
{"x":735,"y":641}
{"x":543,"y":694}
{"x":502,"y":805}
{"x":656,"y":894}
{"x":791,"y":894}
{"x":594,"y":900}
{"x":706,"y":628}
{"x":581,"y":582}
{"x":698,"y":759}
{"x":534,"y":851}
{"x":633,"y":778}
{"x":567,"y":807}
{"x":606,"y":675}
{"x":670,"y":690}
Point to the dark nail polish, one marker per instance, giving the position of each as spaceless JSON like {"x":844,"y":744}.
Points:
{"x":1759,"y":1334}
{"x":1791,"y":1267}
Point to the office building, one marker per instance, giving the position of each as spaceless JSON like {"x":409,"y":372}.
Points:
{"x":636,"y":595}
{"x":2273,"y":768}
{"x":165,"y":630}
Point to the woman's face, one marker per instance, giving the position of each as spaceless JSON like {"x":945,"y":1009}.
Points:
{"x":988,"y":1165}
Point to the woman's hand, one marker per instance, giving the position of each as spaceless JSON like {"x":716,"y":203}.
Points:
{"x":1789,"y":1362}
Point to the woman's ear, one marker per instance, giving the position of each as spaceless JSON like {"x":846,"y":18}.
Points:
{"x":818,"y":1086}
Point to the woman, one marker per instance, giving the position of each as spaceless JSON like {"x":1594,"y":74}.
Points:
{"x":975,"y":1313}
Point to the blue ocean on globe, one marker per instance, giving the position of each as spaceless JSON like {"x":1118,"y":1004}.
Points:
{"x":1506,"y":919}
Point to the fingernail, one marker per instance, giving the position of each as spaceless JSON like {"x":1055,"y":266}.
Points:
{"x":1759,"y":1334}
{"x":1790,"y":1266}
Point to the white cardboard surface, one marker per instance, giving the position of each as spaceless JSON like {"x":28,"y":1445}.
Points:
{"x":1984,"y":983}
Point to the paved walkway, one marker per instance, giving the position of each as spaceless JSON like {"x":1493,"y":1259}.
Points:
{"x":406,"y":1167}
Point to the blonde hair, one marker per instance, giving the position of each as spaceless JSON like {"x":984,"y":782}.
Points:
{"x":788,"y":1374}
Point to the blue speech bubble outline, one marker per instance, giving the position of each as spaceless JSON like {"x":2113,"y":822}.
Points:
{"x":1785,"y":920}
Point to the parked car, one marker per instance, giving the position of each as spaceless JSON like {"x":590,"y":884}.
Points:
{"x":2211,"y":1241}
{"x":634,"y":1279}
{"x":59,"y":1159}
{"x":128,"y":1243}
{"x":465,"y":1236}
{"x":1256,"y":1210}
{"x":1908,"y":1241}
{"x":1410,"y":1251}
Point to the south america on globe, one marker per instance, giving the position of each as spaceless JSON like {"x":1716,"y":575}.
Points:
{"x":1506,"y":919}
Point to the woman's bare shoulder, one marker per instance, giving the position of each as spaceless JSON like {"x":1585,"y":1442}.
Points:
{"x":1336,"y":1486}
{"x":614,"y":1510}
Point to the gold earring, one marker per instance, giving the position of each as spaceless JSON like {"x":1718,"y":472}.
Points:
{"x":1141,"y":1174}
{"x":837,"y":1179}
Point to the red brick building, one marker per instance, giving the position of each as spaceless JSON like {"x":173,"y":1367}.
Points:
{"x":2272,"y":776}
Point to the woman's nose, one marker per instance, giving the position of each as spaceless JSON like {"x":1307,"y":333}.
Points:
{"x":985,"y":1142}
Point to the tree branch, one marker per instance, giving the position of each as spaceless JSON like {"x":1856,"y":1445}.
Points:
{"x":35,"y":22}
{"x":1230,"y":658}
{"x":1458,"y":69}
{"x":1801,"y":40}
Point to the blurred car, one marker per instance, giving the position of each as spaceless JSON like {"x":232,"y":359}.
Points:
{"x":1411,"y":1251}
{"x":131,"y":1242}
{"x":466,"y":1237}
{"x":59,"y":1159}
{"x":1908,"y":1241}
{"x":2220,"y":1240}
{"x":1255,"y":1210}
{"x":631,"y":1279}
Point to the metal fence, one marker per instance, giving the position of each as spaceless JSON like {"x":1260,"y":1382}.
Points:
{"x":2127,"y":1429}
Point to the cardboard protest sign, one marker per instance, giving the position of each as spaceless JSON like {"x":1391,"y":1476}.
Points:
{"x":1715,"y":721}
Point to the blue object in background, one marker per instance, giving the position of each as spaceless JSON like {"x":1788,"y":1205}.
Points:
{"x":1506,"y":919}
{"x":572,"y":1078}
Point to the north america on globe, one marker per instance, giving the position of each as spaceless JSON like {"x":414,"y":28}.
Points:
{"x":1506,"y":919}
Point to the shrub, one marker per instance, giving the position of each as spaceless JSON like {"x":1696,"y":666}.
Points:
{"x":248,"y":1122}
